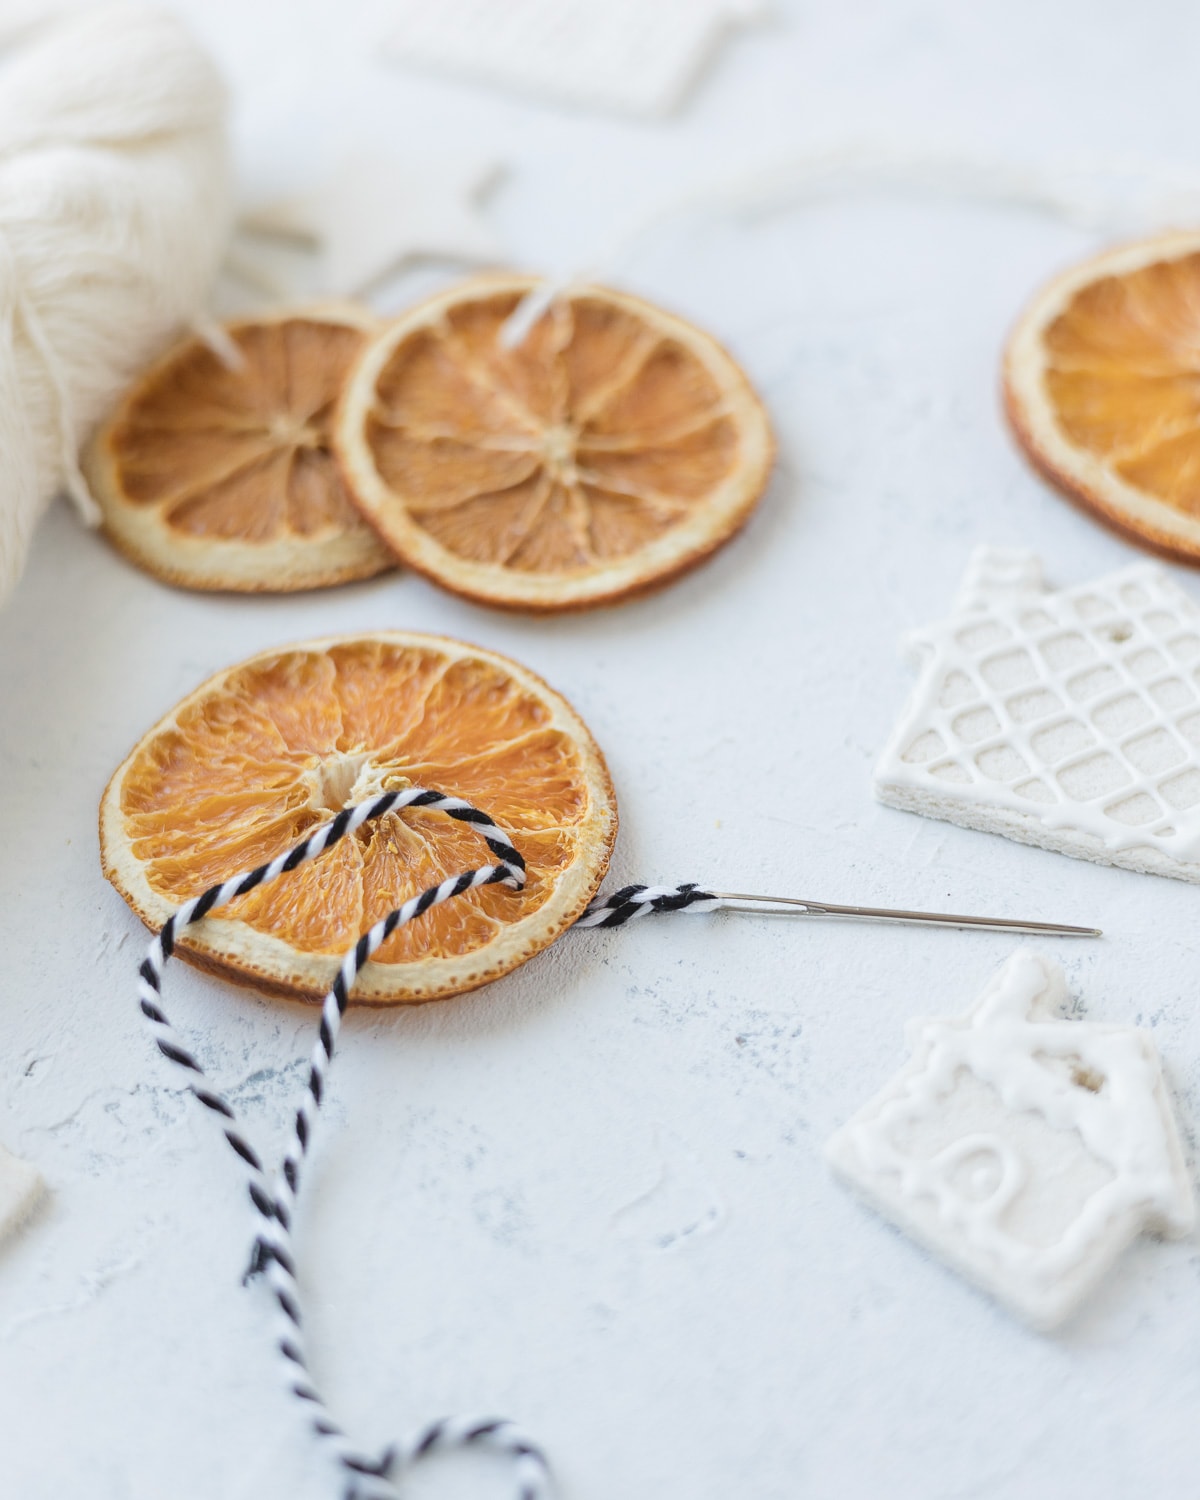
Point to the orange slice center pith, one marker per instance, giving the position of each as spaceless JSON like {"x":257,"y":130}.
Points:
{"x":1123,"y":376}
{"x":242,"y":452}
{"x":594,"y":436}
{"x":281,"y":744}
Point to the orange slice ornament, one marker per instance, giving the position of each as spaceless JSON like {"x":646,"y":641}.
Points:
{"x":264,"y":752}
{"x":215,"y":471}
{"x":610,"y":449}
{"x":1102,"y":388}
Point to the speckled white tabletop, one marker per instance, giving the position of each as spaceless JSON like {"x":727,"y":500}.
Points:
{"x":592,"y":1197}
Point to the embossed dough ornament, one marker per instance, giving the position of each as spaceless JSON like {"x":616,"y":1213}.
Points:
{"x":1026,"y":1150}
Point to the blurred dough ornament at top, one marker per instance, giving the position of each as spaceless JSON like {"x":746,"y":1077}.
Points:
{"x":114,"y":214}
{"x":215,"y":470}
{"x":1068,"y":719}
{"x":263,"y":752}
{"x":608,"y":449}
{"x":373,"y":214}
{"x":1027,"y":1150}
{"x":1102,"y":386}
{"x":633,"y":56}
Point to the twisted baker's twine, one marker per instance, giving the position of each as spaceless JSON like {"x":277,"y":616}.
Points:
{"x":368,"y":1478}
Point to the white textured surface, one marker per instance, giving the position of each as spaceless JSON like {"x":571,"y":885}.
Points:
{"x":592,"y":1197}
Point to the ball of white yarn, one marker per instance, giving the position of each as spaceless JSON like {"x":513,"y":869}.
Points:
{"x":114,"y":215}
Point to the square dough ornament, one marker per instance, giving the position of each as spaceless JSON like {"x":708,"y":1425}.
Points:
{"x":636,"y":57}
{"x":1026,"y":1150}
{"x":1065,"y":718}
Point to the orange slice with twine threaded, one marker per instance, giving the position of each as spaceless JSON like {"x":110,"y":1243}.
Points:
{"x":611,"y":448}
{"x":215,"y":470}
{"x":1102,"y":388}
{"x":265,"y":751}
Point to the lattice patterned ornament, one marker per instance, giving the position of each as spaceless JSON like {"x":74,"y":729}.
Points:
{"x":1069,"y":719}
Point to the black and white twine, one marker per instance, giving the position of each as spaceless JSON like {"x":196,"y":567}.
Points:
{"x":640,"y":900}
{"x":367,"y":1477}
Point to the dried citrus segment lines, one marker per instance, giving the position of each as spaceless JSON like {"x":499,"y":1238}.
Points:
{"x":612,"y":448}
{"x":318,"y":910}
{"x":1102,"y":383}
{"x":267,"y":750}
{"x":220,"y":475}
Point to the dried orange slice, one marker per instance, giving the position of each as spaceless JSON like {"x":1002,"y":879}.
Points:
{"x":218,"y":475}
{"x":1102,"y":386}
{"x":612,"y":448}
{"x":264,"y":751}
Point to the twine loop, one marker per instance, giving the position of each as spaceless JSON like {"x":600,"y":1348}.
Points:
{"x":274,"y":1199}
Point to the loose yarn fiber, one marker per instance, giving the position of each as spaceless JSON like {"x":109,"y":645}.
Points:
{"x":115,"y":208}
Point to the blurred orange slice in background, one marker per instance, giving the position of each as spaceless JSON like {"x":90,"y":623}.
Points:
{"x":1102,"y":387}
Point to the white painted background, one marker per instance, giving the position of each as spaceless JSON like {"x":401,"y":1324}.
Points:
{"x":591,"y":1197}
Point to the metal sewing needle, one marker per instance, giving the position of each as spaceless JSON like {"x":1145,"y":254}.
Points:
{"x":800,"y":908}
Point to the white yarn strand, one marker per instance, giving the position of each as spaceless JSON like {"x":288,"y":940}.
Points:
{"x":1112,"y":194}
{"x":1120,"y":194}
{"x":114,"y":214}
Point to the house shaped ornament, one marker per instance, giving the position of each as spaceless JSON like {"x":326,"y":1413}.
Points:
{"x":1065,"y":718}
{"x":1025,"y":1149}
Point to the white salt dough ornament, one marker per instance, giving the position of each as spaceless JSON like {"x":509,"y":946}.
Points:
{"x":632,"y":56}
{"x":376,"y":213}
{"x":1068,"y":719}
{"x":1026,"y":1150}
{"x":20,"y":1189}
